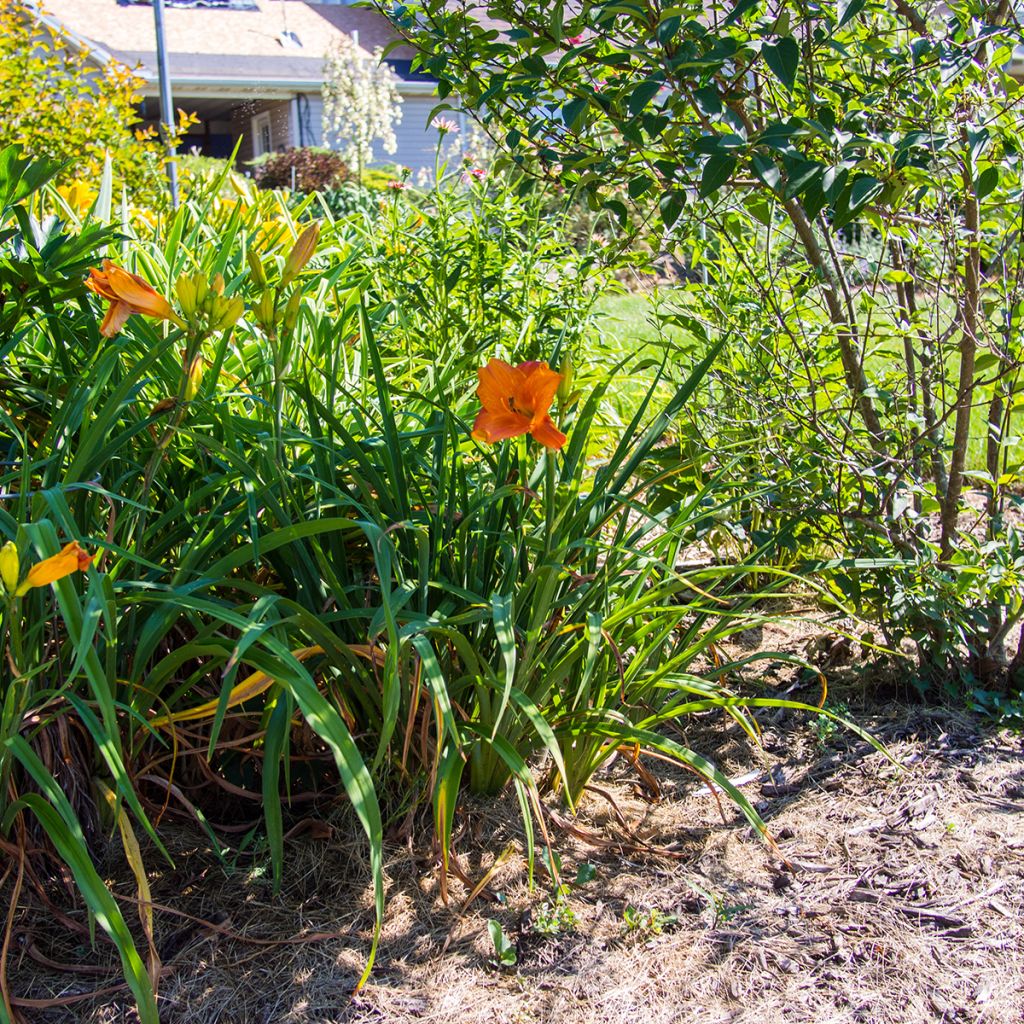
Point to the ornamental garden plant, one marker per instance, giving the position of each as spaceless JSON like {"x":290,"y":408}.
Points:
{"x":266,"y":474}
{"x":306,"y":500}
{"x":845,"y":185}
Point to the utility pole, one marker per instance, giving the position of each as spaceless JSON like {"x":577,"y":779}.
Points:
{"x":166,"y":103}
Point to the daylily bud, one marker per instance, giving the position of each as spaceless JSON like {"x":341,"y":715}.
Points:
{"x":186,"y":291}
{"x":226,"y":312}
{"x":217,"y":284}
{"x":265,"y":311}
{"x":259,"y":275}
{"x":301,"y":254}
{"x":564,"y":392}
{"x":201,"y":286}
{"x":194,"y":377}
{"x":291,"y":311}
{"x":9,"y":565}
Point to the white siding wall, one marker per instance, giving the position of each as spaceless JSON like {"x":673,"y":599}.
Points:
{"x":416,"y":139}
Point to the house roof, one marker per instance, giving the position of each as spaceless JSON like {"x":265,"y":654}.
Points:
{"x":246,"y":46}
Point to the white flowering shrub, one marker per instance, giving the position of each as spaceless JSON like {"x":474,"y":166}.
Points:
{"x":362,"y":104}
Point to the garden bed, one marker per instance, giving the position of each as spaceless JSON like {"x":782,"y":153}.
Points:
{"x":902,"y":900}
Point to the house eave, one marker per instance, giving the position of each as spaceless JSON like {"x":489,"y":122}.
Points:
{"x":266,"y":88}
{"x":98,"y":54}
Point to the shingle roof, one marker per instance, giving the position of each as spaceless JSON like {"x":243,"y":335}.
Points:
{"x":245,"y":45}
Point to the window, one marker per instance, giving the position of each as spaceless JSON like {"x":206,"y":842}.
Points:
{"x":262,"y":136}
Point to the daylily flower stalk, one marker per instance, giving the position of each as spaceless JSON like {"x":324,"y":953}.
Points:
{"x":127,"y":294}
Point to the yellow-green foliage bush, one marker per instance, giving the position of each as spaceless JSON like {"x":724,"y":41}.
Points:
{"x":59,"y":102}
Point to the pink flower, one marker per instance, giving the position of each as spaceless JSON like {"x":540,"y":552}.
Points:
{"x":397,"y":186}
{"x":478,"y":172}
{"x":444,"y":125}
{"x":574,"y":40}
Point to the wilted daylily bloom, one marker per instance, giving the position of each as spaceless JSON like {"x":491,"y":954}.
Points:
{"x":71,"y":558}
{"x":127,"y":294}
{"x":515,"y":401}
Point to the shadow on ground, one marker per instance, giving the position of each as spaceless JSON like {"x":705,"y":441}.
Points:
{"x":894,"y":894}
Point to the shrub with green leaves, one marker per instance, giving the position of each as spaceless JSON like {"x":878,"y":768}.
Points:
{"x":875,"y":392}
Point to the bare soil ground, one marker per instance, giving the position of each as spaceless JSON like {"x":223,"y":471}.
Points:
{"x":901,"y":901}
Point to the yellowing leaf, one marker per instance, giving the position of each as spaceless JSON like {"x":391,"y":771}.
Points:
{"x":251,"y":686}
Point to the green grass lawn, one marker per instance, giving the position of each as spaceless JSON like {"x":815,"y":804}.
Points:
{"x":626,"y":324}
{"x":626,"y":320}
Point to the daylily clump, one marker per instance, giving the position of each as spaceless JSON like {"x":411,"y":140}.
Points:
{"x":515,"y":401}
{"x":127,"y":294}
{"x":71,"y":558}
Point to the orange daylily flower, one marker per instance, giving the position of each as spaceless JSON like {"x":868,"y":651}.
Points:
{"x":127,"y":294}
{"x":515,"y":401}
{"x":71,"y":558}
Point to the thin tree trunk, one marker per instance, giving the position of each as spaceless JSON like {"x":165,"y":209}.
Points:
{"x":994,"y":450}
{"x":923,"y":390}
{"x":856,"y":380}
{"x":968,"y":349}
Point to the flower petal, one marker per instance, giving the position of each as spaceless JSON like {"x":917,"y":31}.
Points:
{"x":71,"y":558}
{"x":547,"y":433}
{"x":499,"y":382}
{"x":490,"y":426}
{"x":135,"y":291}
{"x":117,"y":316}
{"x":97,"y":282}
{"x":538,"y":390}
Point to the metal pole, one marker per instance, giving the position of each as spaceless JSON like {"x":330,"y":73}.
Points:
{"x":166,"y":103}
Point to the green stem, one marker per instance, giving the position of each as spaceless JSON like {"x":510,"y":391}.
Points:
{"x":550,"y":493}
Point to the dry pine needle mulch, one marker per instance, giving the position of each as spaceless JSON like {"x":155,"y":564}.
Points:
{"x":902,"y":902}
